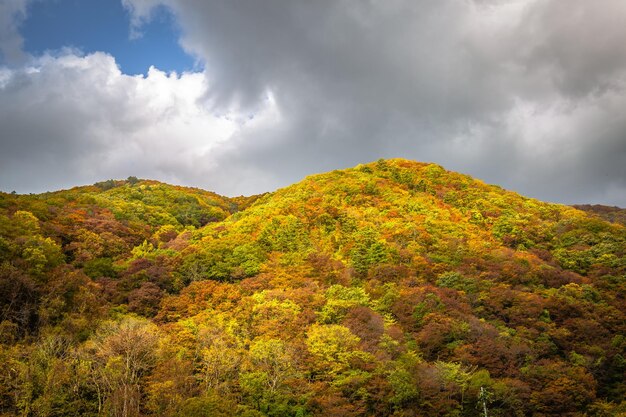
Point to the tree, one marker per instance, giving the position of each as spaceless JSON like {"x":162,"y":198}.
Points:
{"x":122,"y":353}
{"x":332,"y":346}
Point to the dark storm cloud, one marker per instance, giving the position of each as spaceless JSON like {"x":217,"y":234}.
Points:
{"x":523,"y":93}
{"x":581,"y":46}
{"x":528,"y":94}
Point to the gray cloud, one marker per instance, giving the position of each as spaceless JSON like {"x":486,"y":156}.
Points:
{"x":12,"y":12}
{"x":523,"y":93}
{"x":527,"y":94}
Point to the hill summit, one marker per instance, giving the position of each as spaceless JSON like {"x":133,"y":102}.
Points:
{"x":394,"y":288}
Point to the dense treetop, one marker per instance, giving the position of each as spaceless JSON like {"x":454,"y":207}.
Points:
{"x":394,"y":288}
{"x":612,"y":214}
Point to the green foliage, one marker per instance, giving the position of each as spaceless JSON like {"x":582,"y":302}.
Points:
{"x":284,"y":234}
{"x":456,"y":281}
{"x":333,"y":346}
{"x":431,"y":303}
{"x":220,"y":261}
{"x":402,"y":379}
{"x":100,"y":267}
{"x":339,"y":300}
{"x":209,"y":405}
{"x":369,"y":250}
{"x":395,"y":288}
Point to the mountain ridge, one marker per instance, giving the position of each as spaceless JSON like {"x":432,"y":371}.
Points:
{"x":393,"y":288}
{"x":113,"y":183}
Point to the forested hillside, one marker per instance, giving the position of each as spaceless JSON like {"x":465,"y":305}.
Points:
{"x":612,"y":214}
{"x":394,"y":288}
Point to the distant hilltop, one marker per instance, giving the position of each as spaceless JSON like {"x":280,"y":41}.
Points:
{"x":393,"y":288}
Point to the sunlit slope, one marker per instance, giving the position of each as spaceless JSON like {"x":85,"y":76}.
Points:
{"x":142,"y":201}
{"x":94,"y":226}
{"x":394,"y":288}
{"x":424,"y":218}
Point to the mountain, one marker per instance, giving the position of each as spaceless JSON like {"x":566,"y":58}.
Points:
{"x":608,"y":213}
{"x":394,"y":288}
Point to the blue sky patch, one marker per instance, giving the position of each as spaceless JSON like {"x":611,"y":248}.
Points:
{"x":104,"y":25}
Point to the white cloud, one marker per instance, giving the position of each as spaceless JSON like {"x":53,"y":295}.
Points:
{"x":524,"y":93}
{"x":140,"y":12}
{"x":74,"y":119}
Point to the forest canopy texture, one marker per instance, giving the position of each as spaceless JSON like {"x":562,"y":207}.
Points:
{"x":394,"y":288}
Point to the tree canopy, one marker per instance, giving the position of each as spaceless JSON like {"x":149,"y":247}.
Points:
{"x":393,"y":288}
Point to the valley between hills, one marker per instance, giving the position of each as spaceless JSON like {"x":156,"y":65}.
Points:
{"x":394,"y":288}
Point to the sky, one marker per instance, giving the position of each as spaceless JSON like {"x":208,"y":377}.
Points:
{"x":246,"y":96}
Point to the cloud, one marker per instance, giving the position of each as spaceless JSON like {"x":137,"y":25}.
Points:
{"x":74,"y":119}
{"x":523,"y":93}
{"x":12,"y":12}
{"x":141,"y":12}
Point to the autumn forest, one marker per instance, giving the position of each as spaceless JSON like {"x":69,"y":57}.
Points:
{"x":394,"y":288}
